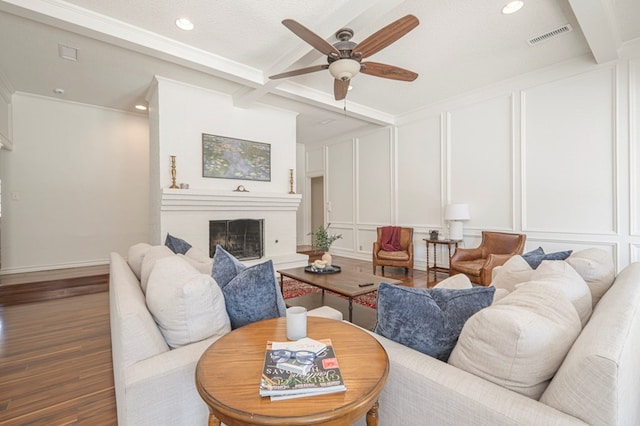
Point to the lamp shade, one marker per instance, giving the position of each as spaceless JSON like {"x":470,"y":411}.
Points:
{"x":344,"y":69}
{"x":457,"y":212}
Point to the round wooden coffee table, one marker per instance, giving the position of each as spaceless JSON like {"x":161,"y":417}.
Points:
{"x":228,"y":377}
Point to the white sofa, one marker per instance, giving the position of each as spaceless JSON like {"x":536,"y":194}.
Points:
{"x":598,"y":383}
{"x":154,"y":384}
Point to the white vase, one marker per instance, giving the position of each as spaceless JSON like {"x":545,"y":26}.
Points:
{"x":327,"y":258}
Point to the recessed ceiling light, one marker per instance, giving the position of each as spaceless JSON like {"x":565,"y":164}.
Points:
{"x":184,"y":24}
{"x":141,"y":107}
{"x":58,"y":91}
{"x":512,"y":7}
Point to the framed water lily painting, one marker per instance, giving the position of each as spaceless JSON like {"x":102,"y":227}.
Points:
{"x":230,"y":158}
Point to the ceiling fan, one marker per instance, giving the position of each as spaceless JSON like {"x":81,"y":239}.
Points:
{"x":344,"y":58}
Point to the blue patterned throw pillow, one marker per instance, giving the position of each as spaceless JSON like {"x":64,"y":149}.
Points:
{"x":250,"y":293}
{"x":177,"y":245}
{"x":428,"y":320}
{"x":535,"y":257}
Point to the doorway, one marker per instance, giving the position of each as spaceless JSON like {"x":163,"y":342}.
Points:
{"x":317,"y":202}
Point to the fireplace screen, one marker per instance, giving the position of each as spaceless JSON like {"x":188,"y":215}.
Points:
{"x":242,"y":237}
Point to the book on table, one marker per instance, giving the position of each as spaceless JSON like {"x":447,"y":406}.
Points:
{"x":301,"y":368}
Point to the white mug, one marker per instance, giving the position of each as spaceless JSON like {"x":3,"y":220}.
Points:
{"x":296,"y":322}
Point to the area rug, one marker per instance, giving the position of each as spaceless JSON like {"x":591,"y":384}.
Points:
{"x":293,"y":288}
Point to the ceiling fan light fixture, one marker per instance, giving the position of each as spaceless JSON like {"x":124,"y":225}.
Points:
{"x":344,"y":69}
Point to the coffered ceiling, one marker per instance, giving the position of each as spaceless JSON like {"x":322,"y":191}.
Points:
{"x":236,"y":44}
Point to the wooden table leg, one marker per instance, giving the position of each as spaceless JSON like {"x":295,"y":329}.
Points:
{"x":350,"y":309}
{"x":372,"y":415}
{"x":213,"y":420}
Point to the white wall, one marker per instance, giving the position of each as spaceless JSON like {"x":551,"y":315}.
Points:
{"x":75,"y":186}
{"x":553,"y":154}
{"x":180,"y":114}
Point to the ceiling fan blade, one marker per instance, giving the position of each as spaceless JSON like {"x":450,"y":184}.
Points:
{"x":388,"y":71}
{"x":300,"y":71}
{"x":310,"y":37}
{"x":340,"y":88}
{"x":385,"y":36}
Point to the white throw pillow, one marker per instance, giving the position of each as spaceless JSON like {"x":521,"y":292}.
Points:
{"x":458,"y":281}
{"x":596,"y":267}
{"x":187,"y":306}
{"x":499,"y":294}
{"x":204,"y":267}
{"x":514,"y":271}
{"x":520,"y":341}
{"x":198,"y":255}
{"x":570,"y":282}
{"x":135,"y":256}
{"x":148,"y":262}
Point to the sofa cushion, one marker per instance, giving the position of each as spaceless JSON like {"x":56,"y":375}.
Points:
{"x":459,"y":281}
{"x":177,"y":245}
{"x":570,"y":282}
{"x":148,"y":262}
{"x":470,"y":267}
{"x":535,"y":258}
{"x":227,"y":266}
{"x":514,"y":271}
{"x":596,"y":267}
{"x":520,"y":341}
{"x":530,"y":255}
{"x":188,"y":306}
{"x":135,"y":256}
{"x":251,"y":294}
{"x":427,"y":320}
{"x":198,"y":255}
{"x":202,"y":267}
{"x":393,"y":255}
{"x":599,"y":380}
{"x":199,"y":260}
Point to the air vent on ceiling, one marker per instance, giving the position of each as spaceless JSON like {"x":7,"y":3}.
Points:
{"x":66,"y":52}
{"x":546,"y":36}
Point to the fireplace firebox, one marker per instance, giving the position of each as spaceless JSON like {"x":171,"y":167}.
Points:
{"x":243,"y":238}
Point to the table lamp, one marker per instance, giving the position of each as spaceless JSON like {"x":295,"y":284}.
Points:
{"x":455,"y":214}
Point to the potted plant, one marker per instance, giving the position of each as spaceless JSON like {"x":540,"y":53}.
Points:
{"x":321,"y":240}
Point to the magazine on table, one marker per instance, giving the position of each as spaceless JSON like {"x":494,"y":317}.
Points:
{"x":316,"y":363}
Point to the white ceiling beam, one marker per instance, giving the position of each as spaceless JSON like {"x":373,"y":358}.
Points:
{"x":319,"y":99}
{"x":598,"y":23}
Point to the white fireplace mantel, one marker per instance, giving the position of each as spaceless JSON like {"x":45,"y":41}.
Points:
{"x":209,"y":200}
{"x":186,"y":213}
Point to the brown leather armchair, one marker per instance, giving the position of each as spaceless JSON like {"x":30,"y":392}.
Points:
{"x":494,"y":250}
{"x":402,"y":258}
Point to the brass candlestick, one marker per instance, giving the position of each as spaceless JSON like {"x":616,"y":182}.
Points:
{"x":291,"y":191}
{"x":173,"y":172}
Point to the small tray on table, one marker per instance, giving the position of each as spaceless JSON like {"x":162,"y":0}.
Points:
{"x":332,"y":269}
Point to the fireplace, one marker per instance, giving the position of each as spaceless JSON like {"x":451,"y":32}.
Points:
{"x":243,"y":238}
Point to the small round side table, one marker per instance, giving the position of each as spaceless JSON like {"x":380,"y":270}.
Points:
{"x":228,"y":377}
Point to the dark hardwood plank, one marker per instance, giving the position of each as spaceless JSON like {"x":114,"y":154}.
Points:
{"x":46,"y":285}
{"x":55,"y":362}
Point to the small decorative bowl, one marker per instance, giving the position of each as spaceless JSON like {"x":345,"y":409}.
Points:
{"x":320,"y":264}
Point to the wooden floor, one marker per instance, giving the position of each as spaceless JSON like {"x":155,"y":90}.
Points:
{"x":55,"y":356}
